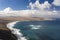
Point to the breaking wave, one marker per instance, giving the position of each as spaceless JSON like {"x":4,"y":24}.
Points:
{"x":15,"y":31}
{"x":35,"y":26}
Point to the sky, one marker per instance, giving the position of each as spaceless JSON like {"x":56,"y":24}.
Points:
{"x":20,"y":4}
{"x":30,"y":8}
{"x":15,"y":4}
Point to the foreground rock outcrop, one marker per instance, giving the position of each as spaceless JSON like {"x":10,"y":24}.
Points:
{"x":5,"y":33}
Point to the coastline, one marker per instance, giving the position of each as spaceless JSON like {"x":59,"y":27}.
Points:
{"x":5,"y":33}
{"x":11,"y":19}
{"x":5,"y":21}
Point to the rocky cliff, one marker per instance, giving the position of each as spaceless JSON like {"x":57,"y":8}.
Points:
{"x":5,"y":33}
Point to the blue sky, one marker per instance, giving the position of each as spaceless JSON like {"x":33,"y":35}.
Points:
{"x":18,"y":4}
{"x":46,"y":8}
{"x":15,"y":4}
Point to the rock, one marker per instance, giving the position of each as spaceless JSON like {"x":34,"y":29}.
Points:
{"x":5,"y":33}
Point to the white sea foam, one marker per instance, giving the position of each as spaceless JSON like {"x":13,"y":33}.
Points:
{"x":35,"y":26}
{"x":15,"y":31}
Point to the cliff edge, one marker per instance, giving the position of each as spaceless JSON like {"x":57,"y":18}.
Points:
{"x":5,"y":33}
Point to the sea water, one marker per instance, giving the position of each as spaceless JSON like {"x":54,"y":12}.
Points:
{"x":36,"y":30}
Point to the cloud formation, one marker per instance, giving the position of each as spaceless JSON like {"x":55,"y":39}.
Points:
{"x":38,"y":5}
{"x":31,"y":13}
{"x":40,"y":12}
{"x":8,"y":9}
{"x":56,"y":2}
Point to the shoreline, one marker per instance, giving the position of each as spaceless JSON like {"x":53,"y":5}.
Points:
{"x":15,"y":31}
{"x":11,"y":19}
{"x":5,"y":33}
{"x":5,"y":21}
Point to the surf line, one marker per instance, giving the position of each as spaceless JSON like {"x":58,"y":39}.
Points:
{"x":15,"y":31}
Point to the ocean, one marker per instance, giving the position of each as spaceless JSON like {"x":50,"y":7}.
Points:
{"x":36,"y":30}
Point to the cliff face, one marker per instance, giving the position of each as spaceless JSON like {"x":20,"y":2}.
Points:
{"x":5,"y":33}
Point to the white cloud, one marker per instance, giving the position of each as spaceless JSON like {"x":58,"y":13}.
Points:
{"x":32,"y":13}
{"x":38,"y":5}
{"x":56,"y":2}
{"x":6,"y":10}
